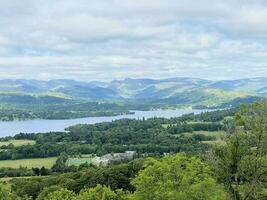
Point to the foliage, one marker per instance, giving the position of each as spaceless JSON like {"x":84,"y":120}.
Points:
{"x":143,"y":136}
{"x":6,"y":193}
{"x":97,"y":193}
{"x":48,"y":108}
{"x":114,"y":176}
{"x":241,"y":164}
{"x":61,"y":194}
{"x":60,"y":164}
{"x":177,"y":177}
{"x":47,"y":190}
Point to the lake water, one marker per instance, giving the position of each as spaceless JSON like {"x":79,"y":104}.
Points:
{"x":42,"y":126}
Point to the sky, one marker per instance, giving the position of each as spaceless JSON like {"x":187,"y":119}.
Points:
{"x":114,"y":39}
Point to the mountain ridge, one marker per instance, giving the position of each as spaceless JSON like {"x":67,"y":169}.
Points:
{"x":177,"y":90}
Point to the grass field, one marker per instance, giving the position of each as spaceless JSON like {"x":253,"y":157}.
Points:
{"x":78,"y":161}
{"x":82,"y":160}
{"x":215,"y":142}
{"x":166,"y":125}
{"x":34,"y":162}
{"x":17,"y":143}
{"x":217,"y":134}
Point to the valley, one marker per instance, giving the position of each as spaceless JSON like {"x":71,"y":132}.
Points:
{"x":69,"y":99}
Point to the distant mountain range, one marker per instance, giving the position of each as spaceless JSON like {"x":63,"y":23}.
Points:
{"x":173,"y":91}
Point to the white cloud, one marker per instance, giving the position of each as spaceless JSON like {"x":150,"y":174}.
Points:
{"x":103,"y":39}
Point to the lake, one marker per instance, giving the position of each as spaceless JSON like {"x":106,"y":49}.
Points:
{"x":42,"y":126}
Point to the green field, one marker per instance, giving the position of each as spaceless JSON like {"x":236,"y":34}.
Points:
{"x":29,"y":163}
{"x":215,"y":142}
{"x":166,"y":125}
{"x":17,"y":143}
{"x":79,"y":161}
{"x":46,"y":162}
{"x":217,"y":134}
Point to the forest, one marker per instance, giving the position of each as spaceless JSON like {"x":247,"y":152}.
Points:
{"x":177,"y":158}
{"x":59,"y":110}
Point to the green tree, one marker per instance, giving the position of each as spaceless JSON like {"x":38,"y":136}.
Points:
{"x":177,"y":178}
{"x":46,"y":191}
{"x":44,"y":171}
{"x":60,"y":164}
{"x":6,"y":193}
{"x":61,"y":194}
{"x":97,"y":193}
{"x":241,"y":164}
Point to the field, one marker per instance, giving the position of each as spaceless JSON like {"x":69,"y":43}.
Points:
{"x":217,"y":134}
{"x":34,"y":162}
{"x":166,"y":125}
{"x":79,"y":161}
{"x":17,"y":143}
{"x":215,"y":142}
{"x":46,"y":162}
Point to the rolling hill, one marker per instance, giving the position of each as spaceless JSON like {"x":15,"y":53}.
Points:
{"x":172,"y":91}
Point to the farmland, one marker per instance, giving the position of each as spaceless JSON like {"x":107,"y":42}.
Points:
{"x":17,"y":143}
{"x":29,"y":163}
{"x":80,"y":160}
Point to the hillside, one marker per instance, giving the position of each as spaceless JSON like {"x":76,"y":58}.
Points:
{"x":179,"y":91}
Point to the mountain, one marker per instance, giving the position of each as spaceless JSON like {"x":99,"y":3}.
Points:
{"x":29,"y":98}
{"x":149,"y":88}
{"x":257,"y":85}
{"x":61,"y":87}
{"x":172,"y":91}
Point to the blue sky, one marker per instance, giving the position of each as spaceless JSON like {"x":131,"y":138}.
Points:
{"x":114,"y":39}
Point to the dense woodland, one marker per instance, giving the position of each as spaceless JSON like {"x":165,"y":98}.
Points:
{"x":59,"y":110}
{"x":234,"y":169}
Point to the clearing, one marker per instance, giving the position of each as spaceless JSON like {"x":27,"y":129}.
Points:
{"x":29,"y":163}
{"x":17,"y":143}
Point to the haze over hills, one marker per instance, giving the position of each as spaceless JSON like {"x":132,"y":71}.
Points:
{"x":174,"y":91}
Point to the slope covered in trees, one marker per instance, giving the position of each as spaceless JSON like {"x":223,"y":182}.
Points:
{"x":235,"y":169}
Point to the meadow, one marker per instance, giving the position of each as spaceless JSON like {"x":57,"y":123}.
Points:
{"x":79,"y":161}
{"x":17,"y":143}
{"x":29,"y":163}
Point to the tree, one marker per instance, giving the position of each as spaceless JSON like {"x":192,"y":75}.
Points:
{"x":60,"y":164}
{"x":44,"y":171}
{"x":46,"y":191}
{"x":97,"y":193}
{"x":61,"y":194}
{"x":6,"y":194}
{"x":36,"y":171}
{"x":241,"y":164}
{"x":177,"y":177}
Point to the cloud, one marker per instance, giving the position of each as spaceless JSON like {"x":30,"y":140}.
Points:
{"x":105,"y":40}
